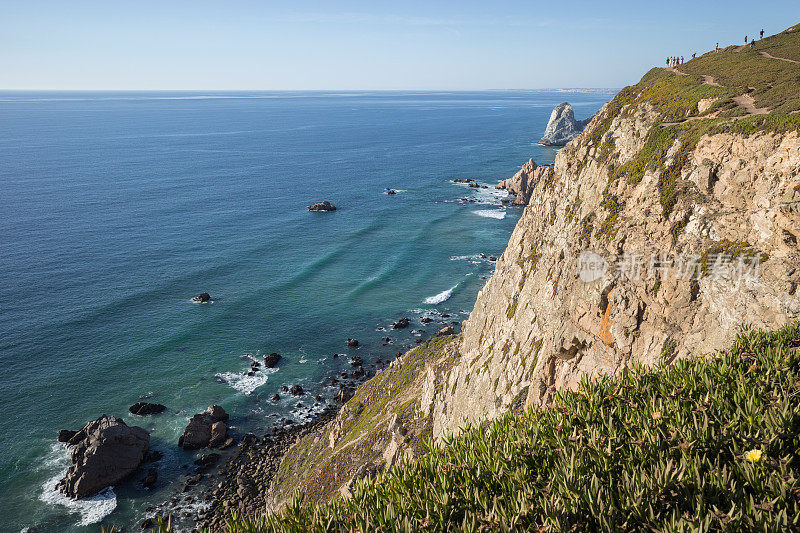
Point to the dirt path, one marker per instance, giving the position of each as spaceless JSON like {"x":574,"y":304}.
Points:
{"x":709,"y":80}
{"x":765,"y":54}
{"x":747,"y":103}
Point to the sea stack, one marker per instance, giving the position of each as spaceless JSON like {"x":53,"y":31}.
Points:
{"x":562,"y":126}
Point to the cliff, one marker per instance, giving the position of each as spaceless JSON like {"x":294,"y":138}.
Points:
{"x":672,"y":219}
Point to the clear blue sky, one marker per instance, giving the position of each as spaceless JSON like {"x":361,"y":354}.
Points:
{"x":410,"y":44}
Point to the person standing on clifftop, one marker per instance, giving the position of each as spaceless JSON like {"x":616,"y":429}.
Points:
{"x":745,"y":39}
{"x":717,"y":48}
{"x":762,"y":33}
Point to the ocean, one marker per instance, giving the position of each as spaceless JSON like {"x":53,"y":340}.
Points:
{"x":118,"y":208}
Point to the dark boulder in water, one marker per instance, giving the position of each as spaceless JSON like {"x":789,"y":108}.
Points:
{"x":106,"y":452}
{"x":276,"y":397}
{"x":145,"y":408}
{"x":149,"y":480}
{"x":296,"y":390}
{"x":207,"y":460}
{"x":271,"y":360}
{"x":205,"y":429}
{"x":353,"y":343}
{"x":322,"y":206}
{"x":202,"y":298}
{"x":356,"y":361}
{"x":400,"y":324}
{"x":391,"y":191}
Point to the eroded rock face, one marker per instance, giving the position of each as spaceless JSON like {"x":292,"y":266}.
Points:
{"x":562,"y":126}
{"x":524,"y":181}
{"x":538,"y":326}
{"x":105,"y":452}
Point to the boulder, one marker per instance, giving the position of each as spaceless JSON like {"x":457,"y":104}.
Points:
{"x":202,"y":298}
{"x":356,"y":361}
{"x":106,"y":452}
{"x":205,"y":429}
{"x":562,"y":126}
{"x":207,"y":460}
{"x":145,"y":408}
{"x":447,"y":330}
{"x":391,"y":191}
{"x":322,"y":206}
{"x":296,"y":390}
{"x":271,"y":360}
{"x":400,"y":324}
{"x":149,"y":480}
{"x":197,"y":434}
{"x":353,"y":343}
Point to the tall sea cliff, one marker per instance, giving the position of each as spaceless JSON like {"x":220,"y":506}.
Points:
{"x":669,"y":222}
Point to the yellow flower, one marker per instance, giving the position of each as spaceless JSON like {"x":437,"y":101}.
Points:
{"x":753,"y":456}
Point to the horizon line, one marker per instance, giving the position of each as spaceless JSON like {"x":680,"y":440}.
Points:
{"x":2,"y":90}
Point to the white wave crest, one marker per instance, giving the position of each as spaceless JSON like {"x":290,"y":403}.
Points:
{"x":92,"y":510}
{"x":491,"y":213}
{"x":244,"y":383}
{"x":441,"y":297}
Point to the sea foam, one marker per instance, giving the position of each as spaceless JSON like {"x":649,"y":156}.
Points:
{"x":93,"y":509}
{"x":491,"y":213}
{"x":244,"y":383}
{"x":441,"y":297}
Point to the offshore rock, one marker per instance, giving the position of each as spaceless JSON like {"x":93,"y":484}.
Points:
{"x":562,"y":126}
{"x":106,"y":452}
{"x":322,"y":206}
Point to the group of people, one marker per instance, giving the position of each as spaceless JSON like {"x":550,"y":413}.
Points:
{"x":674,"y":61}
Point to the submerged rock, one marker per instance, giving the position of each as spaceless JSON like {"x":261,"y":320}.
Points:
{"x":106,"y":452}
{"x":322,"y":206}
{"x":562,"y":126}
{"x":353,"y":343}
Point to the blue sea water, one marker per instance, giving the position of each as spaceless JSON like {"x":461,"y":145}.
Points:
{"x":117,"y":208}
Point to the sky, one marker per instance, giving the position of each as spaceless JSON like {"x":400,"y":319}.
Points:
{"x":362,"y":45}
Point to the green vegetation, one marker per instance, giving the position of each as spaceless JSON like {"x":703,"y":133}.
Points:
{"x":319,"y":470}
{"x":706,"y":444}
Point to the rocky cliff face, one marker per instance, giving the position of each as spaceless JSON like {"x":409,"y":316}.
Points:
{"x":521,"y":184}
{"x":614,"y":265}
{"x":671,"y":220}
{"x":562,"y":126}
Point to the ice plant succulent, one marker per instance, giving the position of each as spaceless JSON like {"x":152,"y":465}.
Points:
{"x":753,"y":456}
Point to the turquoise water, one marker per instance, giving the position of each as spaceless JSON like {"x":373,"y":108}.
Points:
{"x":117,"y":208}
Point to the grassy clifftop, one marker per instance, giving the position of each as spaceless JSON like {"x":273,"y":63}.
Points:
{"x":709,"y":443}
